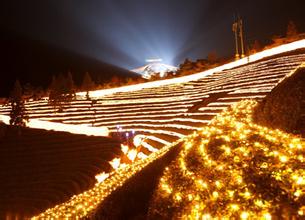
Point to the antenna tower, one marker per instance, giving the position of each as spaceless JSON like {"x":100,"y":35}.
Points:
{"x":239,"y":38}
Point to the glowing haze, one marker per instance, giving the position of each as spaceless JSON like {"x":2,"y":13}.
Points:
{"x":125,"y":33}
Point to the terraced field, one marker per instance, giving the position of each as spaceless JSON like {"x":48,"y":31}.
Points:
{"x":166,"y":113}
{"x":39,"y":169}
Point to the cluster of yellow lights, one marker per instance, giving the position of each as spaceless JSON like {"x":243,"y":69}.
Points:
{"x":234,"y":168}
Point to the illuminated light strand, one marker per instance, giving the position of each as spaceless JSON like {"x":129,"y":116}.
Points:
{"x":117,"y":120}
{"x":75,"y":129}
{"x":163,"y":125}
{"x":101,"y":109}
{"x":128,"y":114}
{"x":100,"y":114}
{"x":104,"y":105}
{"x":126,"y":123}
{"x":149,"y":147}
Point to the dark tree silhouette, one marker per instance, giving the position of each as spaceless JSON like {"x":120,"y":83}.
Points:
{"x":70,"y":85}
{"x":291,"y":30}
{"x":212,"y":57}
{"x":18,"y":114}
{"x":61,"y":91}
{"x":54,"y":94}
{"x":28,"y":90}
{"x":38,"y":93}
{"x":255,"y":47}
{"x":87,"y":84}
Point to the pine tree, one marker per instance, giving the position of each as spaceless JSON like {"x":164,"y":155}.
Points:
{"x":87,"y":84}
{"x":255,"y":47}
{"x":54,"y":93}
{"x":18,"y":115}
{"x":70,"y":85}
{"x":61,"y":91}
{"x":28,"y":90}
{"x":291,"y":30}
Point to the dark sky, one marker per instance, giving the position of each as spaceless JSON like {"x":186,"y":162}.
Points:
{"x":126,"y":32}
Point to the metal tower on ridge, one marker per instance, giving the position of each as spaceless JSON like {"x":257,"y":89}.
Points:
{"x":239,"y":38}
{"x":235,"y":30}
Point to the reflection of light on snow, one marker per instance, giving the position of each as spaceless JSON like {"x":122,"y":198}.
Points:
{"x":75,"y":129}
{"x":266,"y":53}
{"x":157,"y":68}
{"x":153,"y":67}
{"x":101,"y":177}
{"x":115,"y":163}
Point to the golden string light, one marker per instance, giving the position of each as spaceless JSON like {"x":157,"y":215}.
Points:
{"x":234,"y":168}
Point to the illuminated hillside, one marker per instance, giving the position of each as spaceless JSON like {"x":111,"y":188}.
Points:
{"x":164,"y":113}
{"x":234,"y":168}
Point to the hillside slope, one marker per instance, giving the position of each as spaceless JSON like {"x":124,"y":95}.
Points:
{"x":40,"y":169}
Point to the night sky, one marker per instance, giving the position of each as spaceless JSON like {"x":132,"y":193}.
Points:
{"x":126,"y":32}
